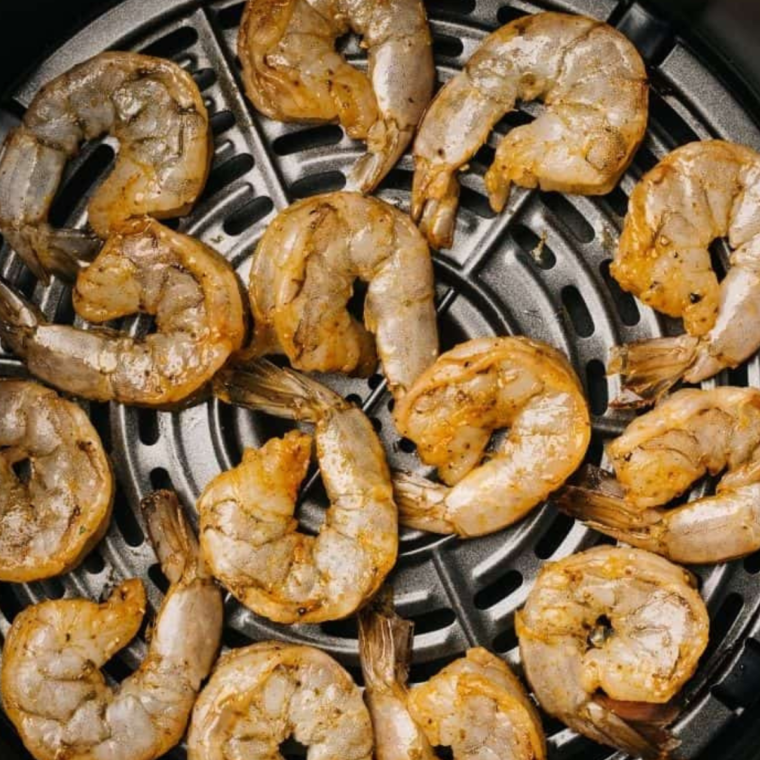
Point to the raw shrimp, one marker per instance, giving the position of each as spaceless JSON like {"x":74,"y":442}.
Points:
{"x":144,"y":267}
{"x":450,"y":413}
{"x":292,"y":71}
{"x":155,"y":111}
{"x":593,"y":85}
{"x":248,"y":534}
{"x":688,"y":435}
{"x":53,"y":690}
{"x":607,"y":638}
{"x":302,"y":279}
{"x":697,"y":193}
{"x":50,"y":521}
{"x":476,"y":705}
{"x":261,"y":695}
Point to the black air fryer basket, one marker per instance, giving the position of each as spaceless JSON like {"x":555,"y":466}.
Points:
{"x":540,"y":269}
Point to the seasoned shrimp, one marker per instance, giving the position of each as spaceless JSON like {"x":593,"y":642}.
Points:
{"x":145,"y":267}
{"x":155,"y":111}
{"x":593,"y":84}
{"x":450,"y":413}
{"x":302,"y":279}
{"x":53,"y":690}
{"x":688,"y":435}
{"x":697,"y":193}
{"x":248,"y":534}
{"x":292,"y":71}
{"x":261,"y":695}
{"x":476,"y":705}
{"x":51,"y":521}
{"x":607,"y":638}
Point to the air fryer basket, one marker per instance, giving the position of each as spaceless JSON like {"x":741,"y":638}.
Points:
{"x":540,"y":269}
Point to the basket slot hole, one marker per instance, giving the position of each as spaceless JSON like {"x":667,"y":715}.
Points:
{"x":157,"y":576}
{"x":377,"y":424}
{"x":147,"y":426}
{"x":204,"y":78}
{"x":406,"y":445}
{"x":307,"y":139}
{"x":291,"y":749}
{"x":534,"y":249}
{"x":225,"y":174}
{"x":173,"y":43}
{"x":221,"y":121}
{"x":375,"y":381}
{"x":248,"y":215}
{"x":125,"y":519}
{"x":584,"y":749}
{"x":435,"y":620}
{"x":397,"y":179}
{"x":595,"y":451}
{"x":52,"y":588}
{"x":597,"y":386}
{"x":64,"y":310}
{"x":117,"y":669}
{"x":569,"y":215}
{"x":738,"y":376}
{"x":26,"y":283}
{"x":624,"y":302}
{"x":229,"y":18}
{"x":476,"y":202}
{"x":325,"y":182}
{"x":499,"y":589}
{"x":645,"y":159}
{"x":419,"y":672}
{"x":100,"y":419}
{"x":557,"y":533}
{"x":446,"y":46}
{"x":235,"y":639}
{"x":617,"y":200}
{"x":670,"y":120}
{"x":444,"y":753}
{"x":94,"y":563}
{"x":722,"y":622}
{"x":506,"y":640}
{"x":9,"y":603}
{"x":576,"y":308}
{"x":483,"y":158}
{"x":508,"y":13}
{"x":516,"y":118}
{"x":160,"y":479}
{"x":341,"y":629}
{"x":450,"y":7}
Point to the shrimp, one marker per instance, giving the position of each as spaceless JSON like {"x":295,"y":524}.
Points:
{"x":607,"y":638}
{"x":292,"y":72}
{"x":697,"y":193}
{"x":302,"y":279}
{"x":248,"y":534}
{"x":593,"y":84}
{"x":261,"y":695}
{"x":450,"y":412}
{"x":476,"y":705}
{"x":688,"y":435}
{"x":50,"y":521}
{"x":144,"y":267}
{"x":53,"y":690}
{"x":152,"y":107}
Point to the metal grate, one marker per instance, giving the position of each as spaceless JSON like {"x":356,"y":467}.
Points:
{"x":541,"y":268}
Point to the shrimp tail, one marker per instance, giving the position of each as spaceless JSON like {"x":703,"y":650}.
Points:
{"x":385,"y":146}
{"x":435,"y":198}
{"x":18,"y":318}
{"x":649,"y":368}
{"x":421,"y":503}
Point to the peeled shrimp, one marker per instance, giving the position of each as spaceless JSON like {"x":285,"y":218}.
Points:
{"x":450,"y":413}
{"x":51,"y":521}
{"x":593,"y":84}
{"x":261,"y":695}
{"x":688,"y":435}
{"x":155,"y":111}
{"x":144,"y":267}
{"x":476,"y":705}
{"x":53,"y":690}
{"x":292,"y":71}
{"x":697,"y":193}
{"x":607,"y":638}
{"x":302,"y":279}
{"x":248,"y":534}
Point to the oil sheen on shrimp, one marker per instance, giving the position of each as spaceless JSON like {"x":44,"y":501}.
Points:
{"x":248,"y":533}
{"x":593,"y":85}
{"x":607,"y":638}
{"x":303,"y":275}
{"x":145,"y":267}
{"x":156,"y":112}
{"x":261,"y":695}
{"x":52,"y":686}
{"x":698,"y":193}
{"x":51,"y":520}
{"x":292,"y":71}
{"x":690,"y":434}
{"x":451,"y":411}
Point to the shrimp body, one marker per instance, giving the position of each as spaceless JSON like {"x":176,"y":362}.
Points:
{"x":292,"y":71}
{"x":593,"y":84}
{"x":697,"y":193}
{"x":248,"y":533}
{"x":49,"y":523}
{"x":53,"y":689}
{"x":450,"y":413}
{"x":302,"y":279}
{"x":261,"y":695}
{"x":151,"y":106}
{"x":607,"y":637}
{"x":145,"y":267}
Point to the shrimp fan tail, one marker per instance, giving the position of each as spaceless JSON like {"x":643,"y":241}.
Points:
{"x":421,"y":503}
{"x":18,"y":317}
{"x":369,"y":169}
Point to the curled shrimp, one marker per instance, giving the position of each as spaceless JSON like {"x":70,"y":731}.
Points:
{"x":261,"y":695}
{"x":145,"y":267}
{"x":450,"y":413}
{"x":593,"y":84}
{"x":53,"y":689}
{"x":151,"y":106}
{"x":51,"y":521}
{"x":475,"y":705}
{"x":302,"y":279}
{"x":659,"y":456}
{"x":607,"y":638}
{"x":248,"y":533}
{"x":697,"y":193}
{"x":292,"y":72}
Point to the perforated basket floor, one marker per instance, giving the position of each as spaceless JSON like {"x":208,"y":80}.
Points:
{"x":540,"y":269}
